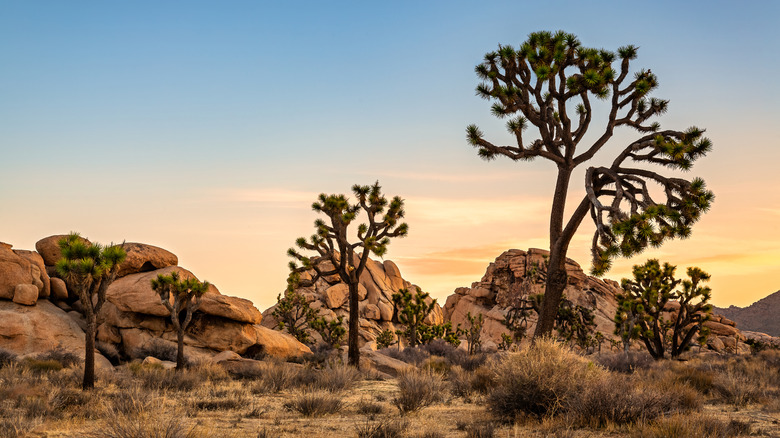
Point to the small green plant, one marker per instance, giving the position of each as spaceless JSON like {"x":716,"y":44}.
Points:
{"x":418,"y":388}
{"x":412,"y":311}
{"x":332,"y":332}
{"x":293,"y":314}
{"x":474,"y":332}
{"x":385,"y":339}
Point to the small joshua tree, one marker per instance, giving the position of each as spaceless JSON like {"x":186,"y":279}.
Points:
{"x":644,"y":302}
{"x":332,"y":333}
{"x":412,"y":311}
{"x":88,"y":269}
{"x":187,"y":296}
{"x":474,"y":332}
{"x":549,"y":83}
{"x":294,"y":314}
{"x":336,"y":254}
{"x":385,"y":339}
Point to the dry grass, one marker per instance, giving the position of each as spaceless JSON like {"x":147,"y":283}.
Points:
{"x":290,"y":400}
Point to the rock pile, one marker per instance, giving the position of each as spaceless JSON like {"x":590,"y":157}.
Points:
{"x":378,"y":282}
{"x":509,"y":276}
{"x":45,"y":315}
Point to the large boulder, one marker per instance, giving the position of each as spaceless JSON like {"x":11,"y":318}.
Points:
{"x":38,"y":271}
{"x":49,"y":248}
{"x":17,"y":270}
{"x":144,"y":258}
{"x":30,"y":330}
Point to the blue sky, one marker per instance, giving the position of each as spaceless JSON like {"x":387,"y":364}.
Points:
{"x":209,"y":127}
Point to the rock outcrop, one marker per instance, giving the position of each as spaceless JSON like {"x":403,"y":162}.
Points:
{"x":760,"y":316}
{"x":510,"y":276}
{"x":133,"y":319}
{"x":378,"y":282}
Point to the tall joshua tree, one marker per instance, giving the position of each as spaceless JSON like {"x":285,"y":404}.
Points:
{"x":88,"y":269}
{"x":186,"y":300}
{"x":334,"y":254}
{"x":549,"y":82}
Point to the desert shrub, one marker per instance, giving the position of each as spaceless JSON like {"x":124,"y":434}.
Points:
{"x":625,"y":362}
{"x":17,"y":425}
{"x":465,"y":383}
{"x":314,"y":404}
{"x":418,"y":389}
{"x":145,"y":423}
{"x":383,"y":428}
{"x":6,"y":357}
{"x":734,"y":387}
{"x":168,"y":380}
{"x":131,"y":399}
{"x":620,"y":399}
{"x":699,"y":379}
{"x":538,"y":381}
{"x":277,"y":376}
{"x":410,"y":355}
{"x":336,"y":379}
{"x":368,"y":407}
{"x":219,"y":404}
{"x":211,"y":372}
{"x":480,"y":430}
{"x":429,"y":434}
{"x":65,"y":358}
{"x":41,"y":366}
{"x":437,"y":365}
{"x":684,"y":426}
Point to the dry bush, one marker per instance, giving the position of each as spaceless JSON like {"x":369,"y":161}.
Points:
{"x":368,"y":407}
{"x":221,"y":398}
{"x":336,"y":379}
{"x":621,"y":399}
{"x":17,"y":425}
{"x":41,"y":366}
{"x":539,"y":381}
{"x":467,"y":383}
{"x":411,"y":355}
{"x":159,"y":349}
{"x":625,"y":362}
{"x":146,"y":423}
{"x":685,"y":426}
{"x":437,"y":364}
{"x":383,"y":428}
{"x":131,"y":399}
{"x":6,"y":357}
{"x":480,"y":430}
{"x":315,"y":404}
{"x":277,"y":376}
{"x":418,"y":389}
{"x":158,"y":379}
{"x":65,"y":358}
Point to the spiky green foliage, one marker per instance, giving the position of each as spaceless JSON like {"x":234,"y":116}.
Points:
{"x":645,"y":311}
{"x":575,"y":324}
{"x":186,"y":294}
{"x":335,"y":252}
{"x":474,"y":332}
{"x":549,"y":83}
{"x":293,"y":314}
{"x":332,"y":332}
{"x":88,"y":269}
{"x":429,"y":333}
{"x":412,"y":309}
{"x":385,"y":339}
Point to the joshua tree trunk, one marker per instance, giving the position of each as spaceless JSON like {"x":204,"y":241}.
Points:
{"x":353,"y":350}
{"x":89,"y":354}
{"x":180,"y":349}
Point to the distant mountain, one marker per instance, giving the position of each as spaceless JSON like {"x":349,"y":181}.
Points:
{"x":761,"y":316}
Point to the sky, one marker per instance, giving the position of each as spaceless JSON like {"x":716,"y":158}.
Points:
{"x":208,"y":128}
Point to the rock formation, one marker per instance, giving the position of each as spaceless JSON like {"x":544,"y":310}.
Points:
{"x":760,"y":316}
{"x":44,"y":315}
{"x":378,"y":282}
{"x":508,"y":277}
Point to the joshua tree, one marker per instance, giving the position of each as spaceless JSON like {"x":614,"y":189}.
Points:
{"x":474,"y":332}
{"x":332,"y":332}
{"x":335,"y":255}
{"x":186,"y":299}
{"x":644,"y":301}
{"x":549,"y":82}
{"x":412,"y":311}
{"x":294,"y":314}
{"x":88,"y":269}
